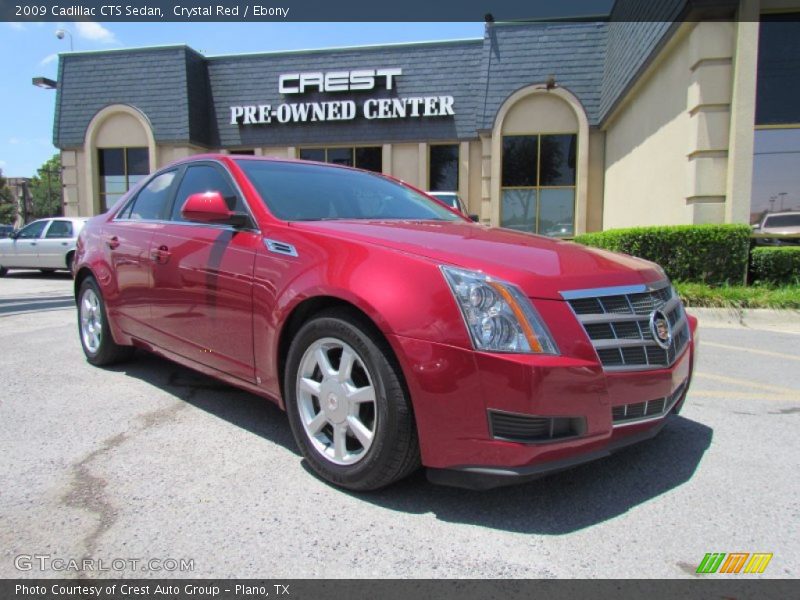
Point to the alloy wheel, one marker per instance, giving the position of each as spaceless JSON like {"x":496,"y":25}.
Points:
{"x":337,"y":401}
{"x":91,"y":321}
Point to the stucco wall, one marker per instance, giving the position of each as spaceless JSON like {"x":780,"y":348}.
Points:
{"x":406,"y":163}
{"x":646,"y":147}
{"x":667,"y":145}
{"x":540,"y":113}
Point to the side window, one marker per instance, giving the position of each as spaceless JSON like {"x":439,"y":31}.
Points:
{"x":34,"y":230}
{"x":59,"y":229}
{"x":151,"y":201}
{"x":205,"y":178}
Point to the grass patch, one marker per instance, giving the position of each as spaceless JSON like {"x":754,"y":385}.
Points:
{"x":739,"y":296}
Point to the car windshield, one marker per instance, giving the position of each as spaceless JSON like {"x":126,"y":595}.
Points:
{"x":783,"y":221}
{"x":308,"y":192}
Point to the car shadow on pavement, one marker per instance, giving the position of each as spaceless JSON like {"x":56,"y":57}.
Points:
{"x":250,"y":412}
{"x":554,"y":505}
{"x":570,"y":500}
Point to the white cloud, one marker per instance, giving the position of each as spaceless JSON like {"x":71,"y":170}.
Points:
{"x":13,"y":141}
{"x":48,"y":59}
{"x":2,"y":164}
{"x":17,"y":26}
{"x":89,"y":30}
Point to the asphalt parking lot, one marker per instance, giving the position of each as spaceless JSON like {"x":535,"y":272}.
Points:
{"x":149,"y":460}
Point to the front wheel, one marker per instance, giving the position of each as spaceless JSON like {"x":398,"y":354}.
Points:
{"x":347,"y":405}
{"x":98,"y":345}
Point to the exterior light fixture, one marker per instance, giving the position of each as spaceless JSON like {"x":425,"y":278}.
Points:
{"x":44,"y":83}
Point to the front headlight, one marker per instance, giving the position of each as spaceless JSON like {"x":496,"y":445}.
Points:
{"x":499,"y":317}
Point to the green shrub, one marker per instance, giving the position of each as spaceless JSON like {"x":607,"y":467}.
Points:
{"x":778,"y":266}
{"x":713,"y":254}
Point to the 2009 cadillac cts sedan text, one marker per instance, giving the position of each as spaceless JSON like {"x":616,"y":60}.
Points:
{"x":392,"y":330}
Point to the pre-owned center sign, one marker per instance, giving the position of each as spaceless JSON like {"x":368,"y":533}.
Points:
{"x":341,"y":110}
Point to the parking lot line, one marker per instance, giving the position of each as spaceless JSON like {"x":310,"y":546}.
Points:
{"x":777,"y":389}
{"x":743,"y":395}
{"x":751,"y":350}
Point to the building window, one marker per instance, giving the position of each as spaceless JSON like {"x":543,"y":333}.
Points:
{"x":362,"y":157}
{"x":120,"y":169}
{"x":538,"y":183}
{"x":443,"y":168}
{"x":776,"y":152}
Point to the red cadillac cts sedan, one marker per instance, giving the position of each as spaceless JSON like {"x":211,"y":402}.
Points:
{"x":393,"y":331}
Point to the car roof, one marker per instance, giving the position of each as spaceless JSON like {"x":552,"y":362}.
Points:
{"x":784,"y":212}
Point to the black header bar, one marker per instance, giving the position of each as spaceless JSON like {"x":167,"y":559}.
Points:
{"x":361,"y":10}
{"x":708,"y":587}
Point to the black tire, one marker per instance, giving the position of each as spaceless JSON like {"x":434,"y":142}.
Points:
{"x":394,"y":450}
{"x":70,"y":258}
{"x":107,"y":352}
{"x":3,"y":271}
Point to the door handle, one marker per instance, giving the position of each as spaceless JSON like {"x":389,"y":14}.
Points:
{"x":33,"y":243}
{"x":112,"y":242}
{"x":161,"y":255}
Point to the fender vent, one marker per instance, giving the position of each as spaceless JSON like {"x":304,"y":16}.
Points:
{"x":532,"y":429}
{"x":280,"y":247}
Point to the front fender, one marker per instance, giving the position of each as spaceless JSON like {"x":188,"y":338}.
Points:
{"x":404,"y":295}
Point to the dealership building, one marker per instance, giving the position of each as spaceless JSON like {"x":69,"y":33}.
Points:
{"x":557,"y":128}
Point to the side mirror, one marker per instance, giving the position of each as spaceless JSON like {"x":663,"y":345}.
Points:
{"x":475,"y":218}
{"x":14,"y":234}
{"x":210,"y":207}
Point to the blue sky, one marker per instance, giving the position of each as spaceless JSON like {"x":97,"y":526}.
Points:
{"x":31,"y":49}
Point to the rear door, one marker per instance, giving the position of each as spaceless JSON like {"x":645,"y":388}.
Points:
{"x":55,"y":244}
{"x":203,"y":277}
{"x":26,"y":245}
{"x":126,"y":241}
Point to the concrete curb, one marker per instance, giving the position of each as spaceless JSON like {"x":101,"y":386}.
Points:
{"x":786,"y":321}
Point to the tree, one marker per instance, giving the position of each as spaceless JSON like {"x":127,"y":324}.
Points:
{"x":46,"y":189}
{"x":8,"y":205}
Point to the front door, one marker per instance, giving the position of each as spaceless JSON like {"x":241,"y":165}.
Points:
{"x":26,"y":245}
{"x":203,"y":278}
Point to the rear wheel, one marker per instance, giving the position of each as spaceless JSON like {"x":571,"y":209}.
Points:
{"x":70,"y":258}
{"x":349,"y":411}
{"x":98,"y":345}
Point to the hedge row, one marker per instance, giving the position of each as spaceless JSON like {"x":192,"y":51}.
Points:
{"x":777,"y":266}
{"x":713,"y":254}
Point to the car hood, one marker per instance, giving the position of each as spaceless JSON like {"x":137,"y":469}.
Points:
{"x":543,"y":267}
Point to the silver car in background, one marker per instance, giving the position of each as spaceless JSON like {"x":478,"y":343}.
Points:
{"x":46,"y":244}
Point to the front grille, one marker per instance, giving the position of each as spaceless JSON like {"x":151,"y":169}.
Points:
{"x":531,"y":429}
{"x":617,"y":321}
{"x":653,"y":409}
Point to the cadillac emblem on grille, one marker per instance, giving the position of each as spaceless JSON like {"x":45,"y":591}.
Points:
{"x":661,"y":329}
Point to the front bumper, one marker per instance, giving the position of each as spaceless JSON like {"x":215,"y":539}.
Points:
{"x":484,"y":478}
{"x":454,"y":390}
